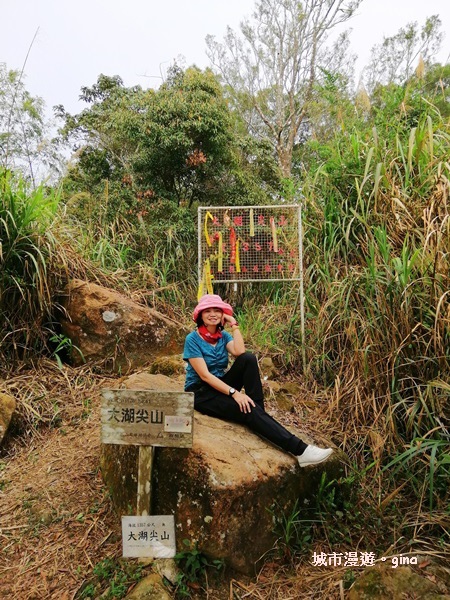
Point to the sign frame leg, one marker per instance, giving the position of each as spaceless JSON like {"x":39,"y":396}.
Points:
{"x":144,"y":487}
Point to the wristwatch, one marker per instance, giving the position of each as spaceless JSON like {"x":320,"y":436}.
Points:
{"x":231,"y":391}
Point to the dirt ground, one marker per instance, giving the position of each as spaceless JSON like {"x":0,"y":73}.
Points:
{"x":56,"y":518}
{"x":56,"y":521}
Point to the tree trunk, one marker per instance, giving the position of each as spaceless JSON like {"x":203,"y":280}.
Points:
{"x":284,"y":156}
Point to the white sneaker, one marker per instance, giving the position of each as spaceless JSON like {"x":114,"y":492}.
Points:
{"x":313,"y":456}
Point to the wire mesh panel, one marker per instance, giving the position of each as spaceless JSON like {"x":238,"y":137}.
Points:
{"x":248,"y":243}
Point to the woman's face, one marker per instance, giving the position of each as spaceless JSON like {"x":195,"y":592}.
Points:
{"x":212,"y":316}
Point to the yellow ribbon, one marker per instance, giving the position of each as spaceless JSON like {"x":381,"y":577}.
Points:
{"x":220,"y":254}
{"x":201,"y":287}
{"x":208,"y":277}
{"x":274,"y":234}
{"x":207,"y":238}
{"x":206,"y":281}
{"x":252,"y":224}
{"x":238,"y":260}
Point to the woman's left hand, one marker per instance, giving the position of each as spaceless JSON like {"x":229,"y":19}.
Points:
{"x":228,"y":320}
{"x":245,"y":402}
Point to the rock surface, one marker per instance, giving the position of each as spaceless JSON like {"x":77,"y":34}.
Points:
{"x":383,"y":582}
{"x":107,"y":326}
{"x":150,"y":588}
{"x":220,"y":490}
{"x":7,"y":408}
{"x":268,"y":369}
{"x":168,"y":365}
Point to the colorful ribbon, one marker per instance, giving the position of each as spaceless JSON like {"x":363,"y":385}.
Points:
{"x":237,"y":258}
{"x":252,"y":224}
{"x":273,"y":227}
{"x":232,"y":246}
{"x":207,"y":238}
{"x":206,"y":280}
{"x":208,"y":277}
{"x":220,"y":253}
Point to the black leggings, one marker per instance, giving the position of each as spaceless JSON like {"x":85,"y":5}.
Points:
{"x":244,"y":373}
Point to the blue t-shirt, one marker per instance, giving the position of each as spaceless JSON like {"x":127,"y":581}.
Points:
{"x":216,"y":357}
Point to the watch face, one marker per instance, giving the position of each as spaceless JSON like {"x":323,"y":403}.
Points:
{"x":231,"y":391}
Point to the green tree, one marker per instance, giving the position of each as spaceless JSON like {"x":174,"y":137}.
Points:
{"x":186,"y":145}
{"x":403,"y":89}
{"x":436,"y":85}
{"x":398,"y":56}
{"x":25,"y":142}
{"x":272,"y":67}
{"x":177,"y":143}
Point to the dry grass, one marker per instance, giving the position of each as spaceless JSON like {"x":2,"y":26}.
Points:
{"x":56,"y":520}
{"x":274,"y":583}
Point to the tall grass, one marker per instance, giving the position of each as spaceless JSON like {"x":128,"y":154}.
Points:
{"x":27,"y":245}
{"x":43,"y":243}
{"x":377,"y":280}
{"x":154,"y":251}
{"x":377,"y":286}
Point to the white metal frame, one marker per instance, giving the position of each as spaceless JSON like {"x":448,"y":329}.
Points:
{"x":243,"y":279}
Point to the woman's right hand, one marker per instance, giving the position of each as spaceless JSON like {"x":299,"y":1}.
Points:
{"x":244,"y":401}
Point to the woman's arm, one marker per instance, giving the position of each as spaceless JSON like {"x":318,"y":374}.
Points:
{"x":237,"y":346}
{"x":200,"y":367}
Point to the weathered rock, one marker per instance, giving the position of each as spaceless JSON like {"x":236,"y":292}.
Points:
{"x":167,"y":569}
{"x":151,"y":381}
{"x":283,"y":398}
{"x":107,"y":326}
{"x":289,"y":395}
{"x":291,"y":388}
{"x":168,"y":365}
{"x":285,"y":403}
{"x":220,"y":490}
{"x":384,"y":582}
{"x":7,"y":408}
{"x":149,"y":588}
{"x":268,"y":369}
{"x":273,"y":386}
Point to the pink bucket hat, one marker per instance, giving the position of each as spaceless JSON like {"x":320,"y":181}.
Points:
{"x":212,"y":301}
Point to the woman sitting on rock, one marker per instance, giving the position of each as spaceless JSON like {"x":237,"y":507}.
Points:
{"x":217,"y":392}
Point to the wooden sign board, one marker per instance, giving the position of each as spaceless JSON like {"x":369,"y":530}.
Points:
{"x":148,"y":536}
{"x":147,"y":418}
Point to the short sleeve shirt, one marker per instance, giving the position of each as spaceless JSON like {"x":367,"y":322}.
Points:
{"x":216,"y":357}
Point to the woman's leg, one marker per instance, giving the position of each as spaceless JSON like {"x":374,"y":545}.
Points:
{"x":244,"y":373}
{"x":257,"y":420}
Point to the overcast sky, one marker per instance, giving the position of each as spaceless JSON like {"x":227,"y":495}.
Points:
{"x":139,"y":39}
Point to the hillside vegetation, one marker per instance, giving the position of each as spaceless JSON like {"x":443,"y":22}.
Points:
{"x":371,"y":170}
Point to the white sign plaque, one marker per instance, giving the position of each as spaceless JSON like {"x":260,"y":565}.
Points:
{"x":178,"y":424}
{"x":148,"y":536}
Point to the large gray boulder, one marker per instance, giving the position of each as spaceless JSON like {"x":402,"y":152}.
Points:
{"x":220,"y":490}
{"x":104,"y":325}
